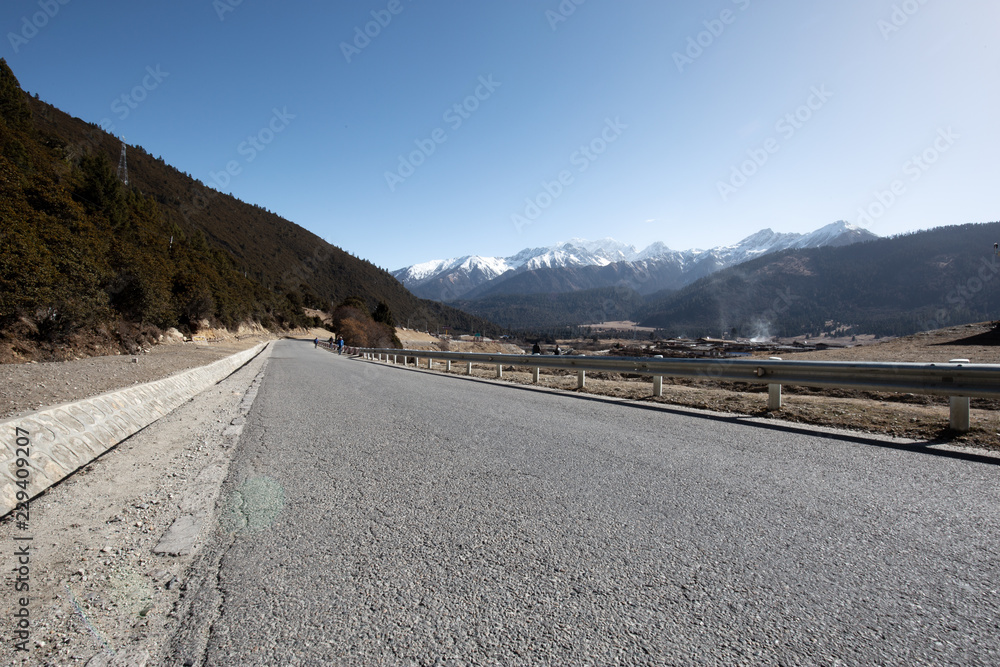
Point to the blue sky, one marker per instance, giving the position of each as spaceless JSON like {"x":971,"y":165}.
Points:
{"x":408,"y":130}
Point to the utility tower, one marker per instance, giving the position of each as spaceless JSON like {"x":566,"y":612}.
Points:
{"x":123,"y":166}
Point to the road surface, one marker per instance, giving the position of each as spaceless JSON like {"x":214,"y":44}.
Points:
{"x":381,"y":515}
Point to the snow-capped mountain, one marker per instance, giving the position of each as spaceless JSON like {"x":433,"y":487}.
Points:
{"x":449,"y":279}
{"x":581,"y":264}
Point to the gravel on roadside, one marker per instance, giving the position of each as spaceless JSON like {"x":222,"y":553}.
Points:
{"x":100,"y":593}
{"x":28,"y":387}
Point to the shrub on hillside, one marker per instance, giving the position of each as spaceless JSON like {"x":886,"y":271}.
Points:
{"x":353,"y":333}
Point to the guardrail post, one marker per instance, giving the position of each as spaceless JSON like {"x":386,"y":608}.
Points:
{"x":657,"y":385}
{"x":581,"y":379}
{"x":430,"y":363}
{"x":447,"y":365}
{"x":534,"y":374}
{"x":469,"y":371}
{"x":960,"y":419}
{"x":499,"y":370}
{"x":774,"y":397}
{"x":394,"y":359}
{"x":774,"y":392}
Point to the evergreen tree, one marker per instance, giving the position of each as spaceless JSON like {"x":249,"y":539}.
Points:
{"x":384,"y":315}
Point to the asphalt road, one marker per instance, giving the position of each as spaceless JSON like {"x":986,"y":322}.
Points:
{"x":380,"y":515}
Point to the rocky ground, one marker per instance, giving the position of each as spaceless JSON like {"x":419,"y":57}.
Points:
{"x":27,"y":387}
{"x":100,"y":594}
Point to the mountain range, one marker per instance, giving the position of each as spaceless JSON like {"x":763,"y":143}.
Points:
{"x":886,"y":286}
{"x":579,"y":264}
{"x":890,"y":286}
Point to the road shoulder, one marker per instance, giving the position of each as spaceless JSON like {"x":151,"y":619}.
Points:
{"x":100,"y":594}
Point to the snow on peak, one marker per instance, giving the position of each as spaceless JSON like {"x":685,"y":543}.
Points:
{"x":608,"y":248}
{"x":840,"y":232}
{"x":578,"y":252}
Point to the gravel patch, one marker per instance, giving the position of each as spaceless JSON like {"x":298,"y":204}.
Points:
{"x":104,"y":588}
{"x":31,"y":386}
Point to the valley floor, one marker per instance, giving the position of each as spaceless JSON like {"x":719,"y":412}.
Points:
{"x":916,"y":417}
{"x":28,"y":387}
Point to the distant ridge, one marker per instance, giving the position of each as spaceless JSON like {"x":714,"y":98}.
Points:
{"x":886,"y":286}
{"x":891,"y":286}
{"x":574,"y":265}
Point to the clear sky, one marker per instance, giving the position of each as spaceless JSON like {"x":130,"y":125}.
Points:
{"x":473,"y":127}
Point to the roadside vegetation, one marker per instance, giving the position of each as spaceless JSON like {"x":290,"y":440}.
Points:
{"x":90,"y":264}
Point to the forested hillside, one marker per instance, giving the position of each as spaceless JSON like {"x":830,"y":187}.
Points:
{"x":891,"y":286}
{"x":81,"y":252}
{"x":545,"y":311}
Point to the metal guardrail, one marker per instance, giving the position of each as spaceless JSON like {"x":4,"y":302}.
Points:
{"x":957,"y":379}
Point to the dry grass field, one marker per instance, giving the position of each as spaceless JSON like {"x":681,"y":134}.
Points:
{"x":914,"y":417}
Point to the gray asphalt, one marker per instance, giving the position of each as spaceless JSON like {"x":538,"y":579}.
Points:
{"x":376,"y":515}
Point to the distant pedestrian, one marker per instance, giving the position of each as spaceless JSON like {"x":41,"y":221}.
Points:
{"x":558,"y":351}
{"x":315,"y":342}
{"x":331,"y":343}
{"x":340,"y":345}
{"x":536,"y":349}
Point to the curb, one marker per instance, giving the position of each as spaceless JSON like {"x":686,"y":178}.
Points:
{"x":64,"y":438}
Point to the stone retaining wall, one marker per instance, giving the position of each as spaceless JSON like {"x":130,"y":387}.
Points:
{"x":65,"y":438}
